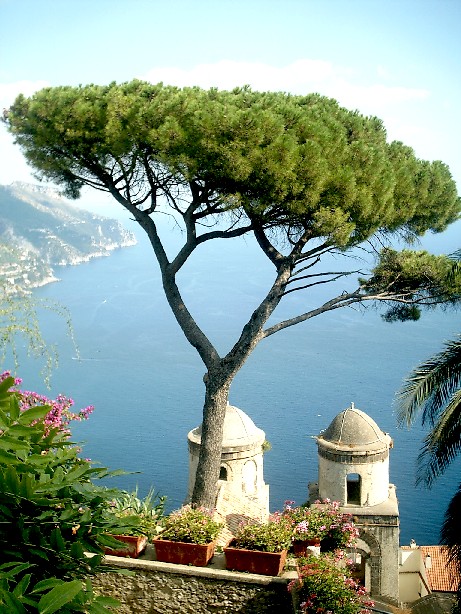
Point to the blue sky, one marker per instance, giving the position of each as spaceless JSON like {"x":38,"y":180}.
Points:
{"x":397,"y":59}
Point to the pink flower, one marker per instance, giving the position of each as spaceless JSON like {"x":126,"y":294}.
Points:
{"x":60,"y":414}
{"x":302,"y":527}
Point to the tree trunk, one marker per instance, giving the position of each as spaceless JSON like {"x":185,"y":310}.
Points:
{"x":214,"y":411}
{"x":220,"y":371}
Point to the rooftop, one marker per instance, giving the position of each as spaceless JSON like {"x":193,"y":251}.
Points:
{"x":441,"y":574}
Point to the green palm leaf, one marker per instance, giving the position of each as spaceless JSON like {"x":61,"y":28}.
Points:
{"x":434,"y":390}
{"x":431,"y":385}
{"x":443,"y":442}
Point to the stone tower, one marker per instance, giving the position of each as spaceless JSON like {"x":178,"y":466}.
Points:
{"x":353,"y":468}
{"x":241,"y":482}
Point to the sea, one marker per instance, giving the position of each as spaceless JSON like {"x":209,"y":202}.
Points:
{"x":146,"y":383}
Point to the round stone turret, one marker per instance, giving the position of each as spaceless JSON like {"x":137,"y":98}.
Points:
{"x":241,"y":477}
{"x":354,"y":460}
{"x":239,"y":432}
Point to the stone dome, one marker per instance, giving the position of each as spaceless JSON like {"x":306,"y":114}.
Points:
{"x":239,"y":432}
{"x":353,"y":429}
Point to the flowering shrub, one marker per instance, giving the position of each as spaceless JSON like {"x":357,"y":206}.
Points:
{"x":191,"y":525}
{"x":324,"y":585}
{"x":324,"y":520}
{"x":59,"y":415}
{"x":271,"y":536}
{"x":51,"y":513}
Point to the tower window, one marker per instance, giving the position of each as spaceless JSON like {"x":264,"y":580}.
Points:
{"x":354,"y":487}
{"x":223,"y":473}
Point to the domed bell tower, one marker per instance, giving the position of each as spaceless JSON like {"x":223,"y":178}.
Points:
{"x":353,"y":468}
{"x":242,"y":490}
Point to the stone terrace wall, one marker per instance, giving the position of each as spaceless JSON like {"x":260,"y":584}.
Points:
{"x":163,"y":588}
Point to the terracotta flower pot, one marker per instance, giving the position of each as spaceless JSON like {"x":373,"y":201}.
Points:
{"x":183,"y":553}
{"x":135,"y":544}
{"x":300,"y":546}
{"x":255,"y":561}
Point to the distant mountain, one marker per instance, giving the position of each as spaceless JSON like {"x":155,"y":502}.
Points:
{"x":40,"y":230}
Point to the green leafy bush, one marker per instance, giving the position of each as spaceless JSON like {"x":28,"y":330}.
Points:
{"x":192,"y":525}
{"x":18,"y":595}
{"x":142,"y":515}
{"x":323,"y":520}
{"x":51,"y":514}
{"x":271,"y":536}
{"x":325,"y":584}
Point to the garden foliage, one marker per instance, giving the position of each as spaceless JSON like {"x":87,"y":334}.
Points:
{"x":51,"y":513}
{"x":191,"y":525}
{"x":325,"y":585}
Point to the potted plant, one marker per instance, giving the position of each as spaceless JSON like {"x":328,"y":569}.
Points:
{"x":322,"y":525}
{"x":324,"y":584}
{"x":139,"y":522}
{"x":189,"y":537}
{"x":260,"y":547}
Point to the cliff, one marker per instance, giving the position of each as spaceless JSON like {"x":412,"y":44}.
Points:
{"x":40,"y":230}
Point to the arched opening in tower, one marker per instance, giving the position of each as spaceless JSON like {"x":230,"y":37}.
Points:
{"x":353,"y":488}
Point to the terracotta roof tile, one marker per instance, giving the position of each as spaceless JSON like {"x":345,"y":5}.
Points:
{"x":441,"y":575}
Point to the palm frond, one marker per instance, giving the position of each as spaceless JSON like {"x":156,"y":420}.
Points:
{"x":430,"y":386}
{"x":443,"y":442}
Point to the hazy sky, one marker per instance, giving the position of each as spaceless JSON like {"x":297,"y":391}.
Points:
{"x":397,"y":59}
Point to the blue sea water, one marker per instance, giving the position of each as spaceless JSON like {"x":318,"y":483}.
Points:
{"x":146,"y":381}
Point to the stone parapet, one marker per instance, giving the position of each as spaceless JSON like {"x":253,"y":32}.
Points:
{"x":163,"y":588}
